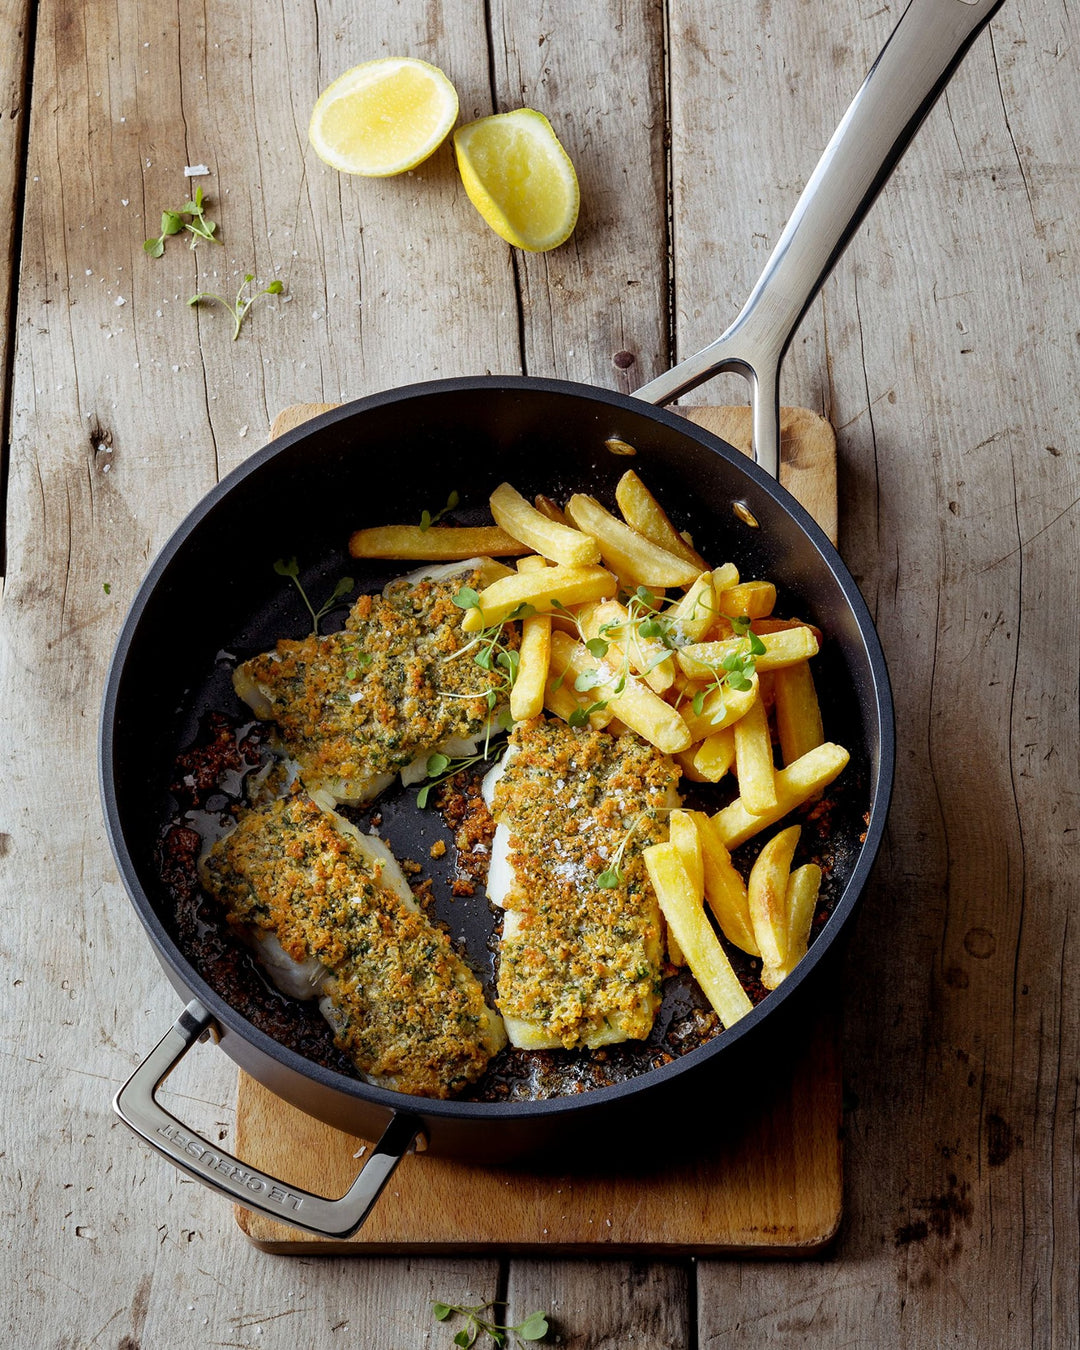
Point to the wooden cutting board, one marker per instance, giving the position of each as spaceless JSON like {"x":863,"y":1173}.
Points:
{"x":765,"y":1178}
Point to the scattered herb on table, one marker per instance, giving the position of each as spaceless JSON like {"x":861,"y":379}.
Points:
{"x":238,"y":308}
{"x":106,"y":586}
{"x":190,"y":217}
{"x":534,"y":1327}
{"x":288,"y":567}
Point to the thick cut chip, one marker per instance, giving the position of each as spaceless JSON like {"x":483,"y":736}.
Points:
{"x":398,"y":683}
{"x":331,"y":916}
{"x":581,"y":950}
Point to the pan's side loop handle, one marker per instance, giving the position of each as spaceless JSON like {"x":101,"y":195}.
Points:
{"x":137,"y":1106}
{"x":916,"y":63}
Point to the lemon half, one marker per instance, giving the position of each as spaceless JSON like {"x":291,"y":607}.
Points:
{"x":383,"y":117}
{"x":519,"y":178}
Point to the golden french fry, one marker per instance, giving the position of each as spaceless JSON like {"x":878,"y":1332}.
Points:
{"x":438,"y":543}
{"x":684,"y":835}
{"x":724,"y":577}
{"x":798,"y":714}
{"x":627,"y":697}
{"x":766,"y":891}
{"x":634,"y":557}
{"x":795,"y":784}
{"x":754,"y":760}
{"x":534,"y":655}
{"x":714,"y":756}
{"x":748,"y":600}
{"x":725,"y":889}
{"x":560,"y":543}
{"x":685,"y":760}
{"x":648,"y":658}
{"x":693,"y":615}
{"x":701,"y":660}
{"x":544,"y":589}
{"x":568,"y":660}
{"x":720,"y":708}
{"x":685,"y":915}
{"x":645,"y":514}
{"x":803,"y":887}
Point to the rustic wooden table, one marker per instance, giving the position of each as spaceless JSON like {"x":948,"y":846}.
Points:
{"x":945,"y":350}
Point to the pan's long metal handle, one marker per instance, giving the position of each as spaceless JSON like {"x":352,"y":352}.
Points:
{"x":137,"y":1106}
{"x":916,"y":63}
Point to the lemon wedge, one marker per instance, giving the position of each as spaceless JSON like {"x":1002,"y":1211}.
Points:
{"x":383,"y":117}
{"x":519,"y":178}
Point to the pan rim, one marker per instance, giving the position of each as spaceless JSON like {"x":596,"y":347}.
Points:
{"x":458,"y":1110}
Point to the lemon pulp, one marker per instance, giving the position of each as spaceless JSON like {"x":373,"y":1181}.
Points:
{"x":518,"y":176}
{"x":383,"y":117}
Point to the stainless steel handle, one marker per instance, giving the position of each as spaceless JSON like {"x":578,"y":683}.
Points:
{"x":137,"y":1106}
{"x":916,"y":63}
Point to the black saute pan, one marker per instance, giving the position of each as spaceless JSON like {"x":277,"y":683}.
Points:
{"x":213,"y":595}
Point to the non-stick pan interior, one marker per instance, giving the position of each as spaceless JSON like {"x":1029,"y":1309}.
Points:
{"x":214,"y":595}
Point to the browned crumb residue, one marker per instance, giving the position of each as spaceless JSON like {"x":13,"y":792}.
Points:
{"x":438,"y":849}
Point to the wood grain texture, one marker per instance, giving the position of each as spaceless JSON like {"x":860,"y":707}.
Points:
{"x":765,"y":1179}
{"x":16,"y":23}
{"x":945,"y":352}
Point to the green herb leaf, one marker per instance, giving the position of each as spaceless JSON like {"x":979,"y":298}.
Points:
{"x":106,"y":586}
{"x":467,"y":598}
{"x":155,"y":247}
{"x":341,"y":590}
{"x":757,"y":647}
{"x":578,"y":718}
{"x":597,"y":647}
{"x":466,"y":1336}
{"x":740,"y":625}
{"x":737,"y":680}
{"x":557,"y":683}
{"x":698,"y":702}
{"x":287,"y":568}
{"x":607,"y":881}
{"x":441,"y":1311}
{"x":534,"y":1328}
{"x":425,"y":520}
{"x":522,"y":611}
{"x":436,"y":764}
{"x":422,"y":795}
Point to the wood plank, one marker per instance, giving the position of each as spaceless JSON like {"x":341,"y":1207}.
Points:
{"x":774,"y":1187}
{"x":596,"y":309}
{"x":943,"y":351}
{"x":619,"y":1303}
{"x":765,"y":1178}
{"x":16,"y":24}
{"x":123,"y":415}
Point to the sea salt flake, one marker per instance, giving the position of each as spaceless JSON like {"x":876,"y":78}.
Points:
{"x":195,"y":170}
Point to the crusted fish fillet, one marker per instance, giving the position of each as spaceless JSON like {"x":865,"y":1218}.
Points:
{"x":357,"y":707}
{"x":330,"y":915}
{"x":579,"y":963}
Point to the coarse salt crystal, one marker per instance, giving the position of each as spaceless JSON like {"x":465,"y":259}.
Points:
{"x":195,"y":170}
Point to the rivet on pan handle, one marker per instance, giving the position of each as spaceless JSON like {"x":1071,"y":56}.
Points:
{"x":137,"y":1106}
{"x":925,"y":48}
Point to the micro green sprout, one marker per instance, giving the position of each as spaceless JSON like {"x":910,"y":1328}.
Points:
{"x":240,"y":306}
{"x":427,"y":519}
{"x":174,"y":222}
{"x":288,"y":567}
{"x":533,"y":1328}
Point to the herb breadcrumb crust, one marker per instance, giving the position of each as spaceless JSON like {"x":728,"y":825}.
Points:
{"x":580,"y":960}
{"x":353,"y":708}
{"x":404,"y":1006}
